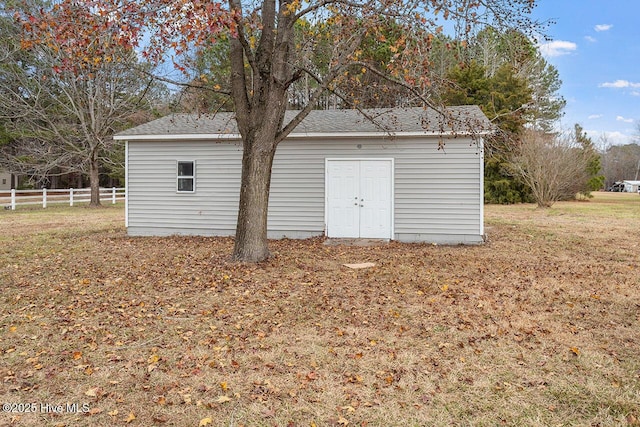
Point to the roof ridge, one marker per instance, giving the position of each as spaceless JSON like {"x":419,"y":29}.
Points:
{"x":466,"y":119}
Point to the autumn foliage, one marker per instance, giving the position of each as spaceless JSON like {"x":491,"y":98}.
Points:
{"x":81,"y":49}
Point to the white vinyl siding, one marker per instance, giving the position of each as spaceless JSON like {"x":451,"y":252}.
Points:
{"x":154,"y":203}
{"x":437,"y":193}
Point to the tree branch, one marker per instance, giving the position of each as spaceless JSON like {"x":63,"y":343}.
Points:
{"x":322,"y":4}
{"x":182,"y":84}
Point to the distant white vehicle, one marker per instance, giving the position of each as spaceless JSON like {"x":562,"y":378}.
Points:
{"x":631,"y":186}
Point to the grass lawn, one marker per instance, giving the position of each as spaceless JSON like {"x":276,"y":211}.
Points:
{"x":538,"y":327}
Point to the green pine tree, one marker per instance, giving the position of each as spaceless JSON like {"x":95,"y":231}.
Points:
{"x":503,"y":98}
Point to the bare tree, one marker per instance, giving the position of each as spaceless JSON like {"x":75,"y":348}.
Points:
{"x":62,"y":108}
{"x":553,"y":167}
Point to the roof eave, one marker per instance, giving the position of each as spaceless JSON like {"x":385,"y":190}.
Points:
{"x":347,"y":135}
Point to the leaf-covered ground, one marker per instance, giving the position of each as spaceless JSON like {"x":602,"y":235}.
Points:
{"x":538,"y":327}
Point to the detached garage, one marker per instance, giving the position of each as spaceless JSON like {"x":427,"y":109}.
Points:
{"x":415,"y":175}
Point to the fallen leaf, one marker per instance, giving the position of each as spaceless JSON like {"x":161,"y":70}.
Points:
{"x":92,"y":392}
{"x":113,"y":413}
{"x":269,"y":413}
{"x":160,"y":419}
{"x":223,"y":399}
{"x":130,"y":418}
{"x":77,"y":355}
{"x":224,"y":386}
{"x":343,"y":421}
{"x":205,"y":422}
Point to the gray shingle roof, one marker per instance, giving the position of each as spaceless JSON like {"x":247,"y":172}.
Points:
{"x":457,"y":120}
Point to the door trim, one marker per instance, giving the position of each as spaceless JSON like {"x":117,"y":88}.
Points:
{"x":392,"y":195}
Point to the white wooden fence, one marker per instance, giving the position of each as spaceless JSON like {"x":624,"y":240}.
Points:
{"x":13,"y":198}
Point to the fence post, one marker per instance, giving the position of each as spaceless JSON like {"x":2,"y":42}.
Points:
{"x":44,"y":197}
{"x":113,"y":196}
{"x":13,"y":199}
{"x":71,"y":197}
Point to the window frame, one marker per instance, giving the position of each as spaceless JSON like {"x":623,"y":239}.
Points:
{"x":191,"y":177}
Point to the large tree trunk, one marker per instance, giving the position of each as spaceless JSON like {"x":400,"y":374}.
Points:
{"x":94,"y":182}
{"x":251,"y":243}
{"x":260,"y":103}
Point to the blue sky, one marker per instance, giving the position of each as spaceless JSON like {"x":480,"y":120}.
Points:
{"x":596,"y":48}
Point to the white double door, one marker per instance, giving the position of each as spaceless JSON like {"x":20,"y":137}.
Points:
{"x":359,"y":198}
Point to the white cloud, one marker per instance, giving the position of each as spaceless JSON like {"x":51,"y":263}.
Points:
{"x":590,"y":39}
{"x":595,"y":135}
{"x":602,"y":27}
{"x":623,"y":119}
{"x":619,"y":84}
{"x":611,"y":137}
{"x":635,"y":93}
{"x":557,"y":48}
{"x":594,"y":116}
{"x":617,"y":138}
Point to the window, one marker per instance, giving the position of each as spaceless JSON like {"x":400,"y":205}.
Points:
{"x":186,"y":176}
